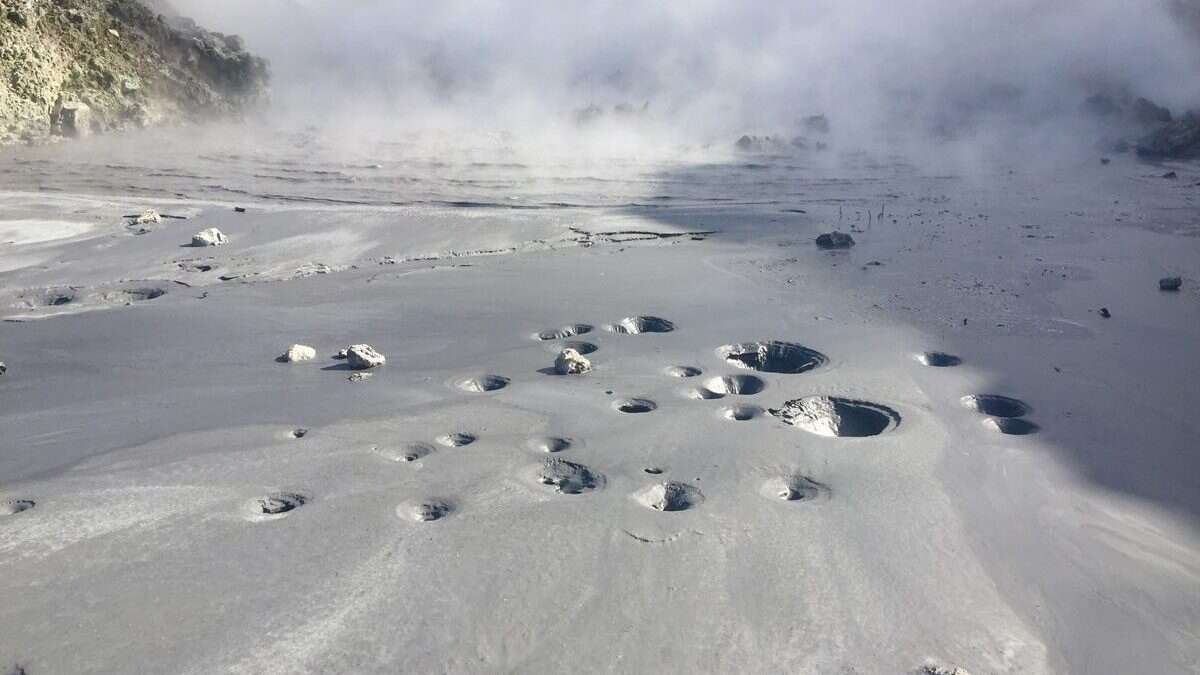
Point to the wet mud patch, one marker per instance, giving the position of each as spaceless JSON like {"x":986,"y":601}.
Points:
{"x":578,"y":345}
{"x":570,"y":330}
{"x":772,"y":356}
{"x":549,"y":444}
{"x":409,"y":452}
{"x":837,"y":417}
{"x":483,"y":384}
{"x":637,"y":325}
{"x":794,"y":488}
{"x":1011,"y":426}
{"x":568,"y":477}
{"x":702,"y":394}
{"x":995,"y":405}
{"x":939,"y":360}
{"x":275,"y":505}
{"x":456,"y":439}
{"x":670,"y":496}
{"x":741,"y":413}
{"x":635,"y":406}
{"x":738,"y":385}
{"x":425,"y":511}
{"x":11,"y":507}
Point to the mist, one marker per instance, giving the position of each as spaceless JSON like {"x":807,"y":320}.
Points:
{"x":1011,"y":73}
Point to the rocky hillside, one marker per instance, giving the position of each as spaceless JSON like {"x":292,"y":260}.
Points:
{"x":77,"y":67}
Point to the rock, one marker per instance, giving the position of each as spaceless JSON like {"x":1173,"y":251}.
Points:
{"x":75,"y":119}
{"x":210,"y":237}
{"x":362,"y":357}
{"x":1178,"y":139}
{"x":359,"y":377}
{"x":148,"y":216}
{"x":121,"y":64}
{"x":3,"y":368}
{"x":835,"y":239}
{"x":816,"y":124}
{"x":1104,"y":160}
{"x":1105,"y":313}
{"x":1170,"y":283}
{"x":341,"y":354}
{"x":1170,"y":175}
{"x":297,"y":353}
{"x":571,"y":362}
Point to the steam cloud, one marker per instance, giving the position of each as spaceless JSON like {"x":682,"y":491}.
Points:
{"x":708,"y":70}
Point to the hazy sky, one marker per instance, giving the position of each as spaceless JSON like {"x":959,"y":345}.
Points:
{"x":712,"y":68}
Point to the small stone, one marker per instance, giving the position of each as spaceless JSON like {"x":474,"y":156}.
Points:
{"x":1170,"y":283}
{"x":148,"y":216}
{"x":239,"y":209}
{"x":297,"y":353}
{"x":341,"y":354}
{"x":1105,"y":313}
{"x":114,"y":33}
{"x":1170,"y":175}
{"x":571,"y":362}
{"x":362,"y":357}
{"x":3,"y":368}
{"x":359,"y":377}
{"x":835,"y":239}
{"x":210,"y":237}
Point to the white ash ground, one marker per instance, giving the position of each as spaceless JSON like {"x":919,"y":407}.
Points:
{"x":154,"y":450}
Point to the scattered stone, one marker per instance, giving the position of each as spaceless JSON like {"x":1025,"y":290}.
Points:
{"x":1170,"y":175}
{"x":1165,"y":284}
{"x":341,"y":354}
{"x":1105,"y":313}
{"x":359,"y":377}
{"x":297,"y":353}
{"x":363,"y":357}
{"x":147,"y":217}
{"x":571,"y":362}
{"x":210,"y":237}
{"x":239,"y":209}
{"x":835,"y":239}
{"x":114,"y":33}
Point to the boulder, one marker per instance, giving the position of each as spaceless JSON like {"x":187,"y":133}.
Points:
{"x":362,"y":357}
{"x":75,"y":120}
{"x":1170,"y":283}
{"x":835,"y":239}
{"x":148,"y":216}
{"x":210,"y":237}
{"x":571,"y":362}
{"x":297,"y":353}
{"x":1178,"y":139}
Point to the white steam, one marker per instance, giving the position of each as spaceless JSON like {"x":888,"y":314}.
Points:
{"x":709,"y":71}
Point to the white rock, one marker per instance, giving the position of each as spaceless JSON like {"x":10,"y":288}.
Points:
{"x":148,"y":216}
{"x":210,"y":237}
{"x":362,"y":357}
{"x":571,"y":362}
{"x":298,"y":353}
{"x":359,"y":377}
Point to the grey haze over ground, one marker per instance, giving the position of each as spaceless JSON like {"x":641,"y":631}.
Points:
{"x":963,"y":446}
{"x":1010,"y":72}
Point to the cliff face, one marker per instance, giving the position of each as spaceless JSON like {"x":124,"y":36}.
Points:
{"x":77,"y":67}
